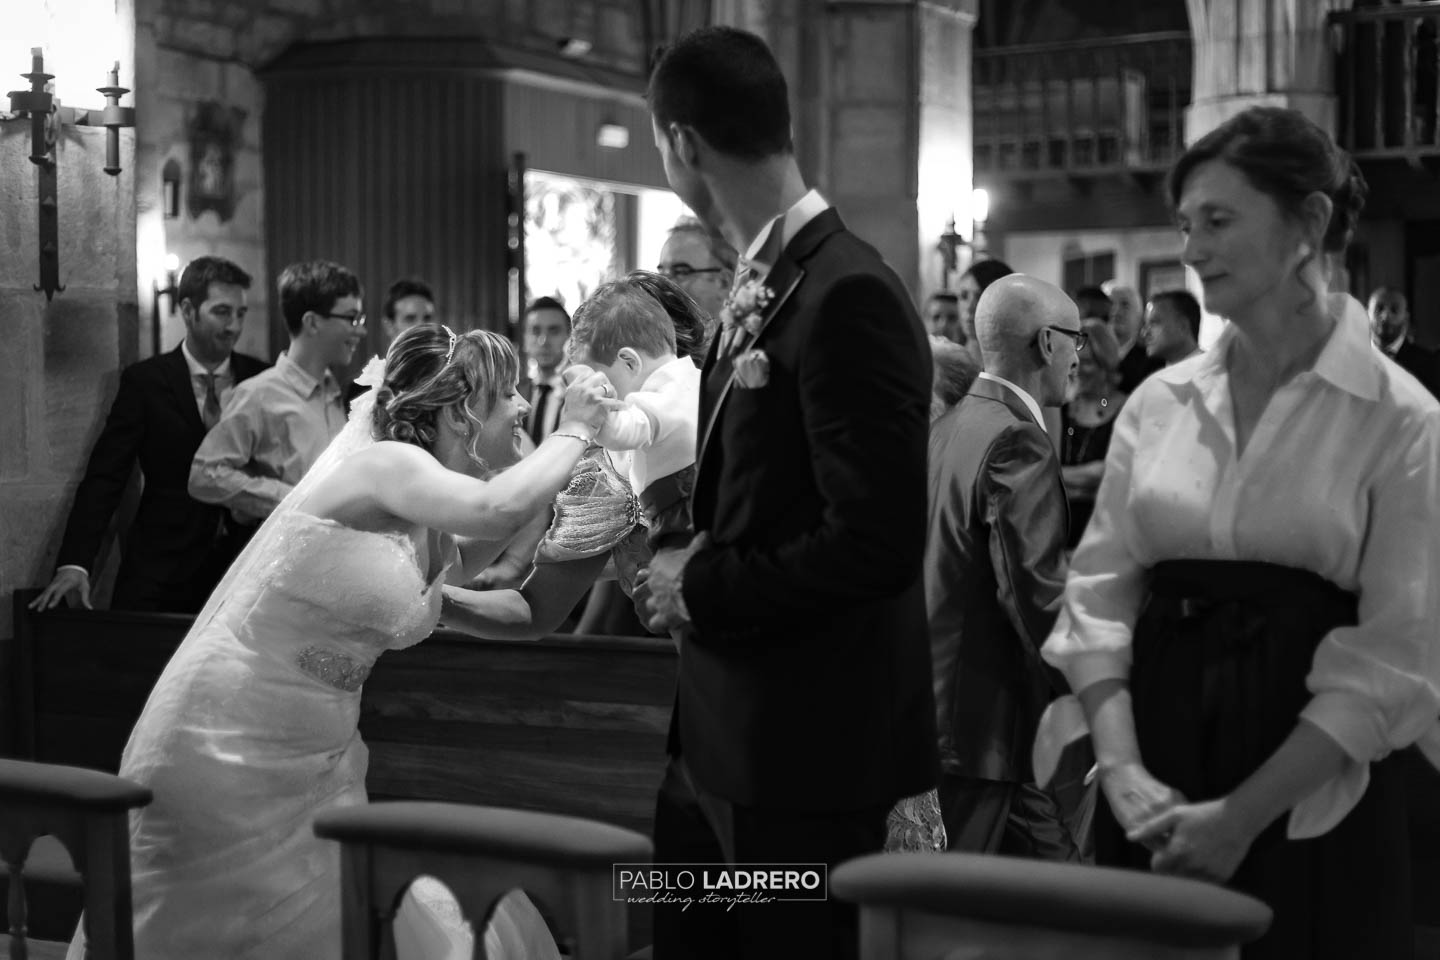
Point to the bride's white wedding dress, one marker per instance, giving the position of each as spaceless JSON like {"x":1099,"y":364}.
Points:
{"x":251,"y":730}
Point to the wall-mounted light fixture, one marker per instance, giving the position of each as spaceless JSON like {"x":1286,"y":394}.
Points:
{"x":172,"y":290}
{"x":952,"y":242}
{"x":170,"y":189}
{"x":613,"y":136}
{"x":979,"y":214}
{"x":46,"y":115}
{"x":949,"y":247}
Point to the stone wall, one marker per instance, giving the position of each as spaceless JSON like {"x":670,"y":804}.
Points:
{"x":61,"y":359}
{"x":173,"y":86}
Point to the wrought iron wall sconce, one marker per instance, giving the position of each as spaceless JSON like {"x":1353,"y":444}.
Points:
{"x":46,"y":116}
{"x":951,"y":242}
{"x":949,"y":246}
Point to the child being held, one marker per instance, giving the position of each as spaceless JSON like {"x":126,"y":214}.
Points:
{"x":624,"y":332}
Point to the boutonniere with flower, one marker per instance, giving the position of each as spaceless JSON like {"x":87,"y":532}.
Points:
{"x":746,"y":306}
{"x":752,"y":369}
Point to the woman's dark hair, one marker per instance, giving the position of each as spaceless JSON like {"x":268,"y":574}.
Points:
{"x":692,"y":324}
{"x":986,"y":272}
{"x":726,"y":84}
{"x":420,"y":382}
{"x":1286,"y":156}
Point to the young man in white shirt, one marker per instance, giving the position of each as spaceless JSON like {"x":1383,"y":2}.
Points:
{"x":276,"y":425}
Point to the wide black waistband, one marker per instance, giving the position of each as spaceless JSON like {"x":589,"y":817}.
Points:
{"x":1204,"y":583}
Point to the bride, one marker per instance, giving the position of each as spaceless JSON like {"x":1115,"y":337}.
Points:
{"x":251,"y":728}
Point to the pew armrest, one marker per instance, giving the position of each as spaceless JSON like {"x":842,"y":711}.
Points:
{"x":1009,"y":891}
{"x":495,"y":832}
{"x":70,"y":787}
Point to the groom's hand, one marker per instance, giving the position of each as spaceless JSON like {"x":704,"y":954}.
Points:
{"x":659,"y":590}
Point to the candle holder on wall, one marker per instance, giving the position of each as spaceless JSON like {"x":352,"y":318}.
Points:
{"x":46,"y":116}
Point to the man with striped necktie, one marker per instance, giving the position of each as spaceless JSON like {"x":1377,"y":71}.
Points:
{"x":177,"y":548}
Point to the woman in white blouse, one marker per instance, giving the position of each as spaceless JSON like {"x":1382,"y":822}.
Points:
{"x":1250,"y":619}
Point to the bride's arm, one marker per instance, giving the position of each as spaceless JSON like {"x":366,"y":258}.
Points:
{"x":411,"y":484}
{"x":490,"y":565}
{"x":534,"y":610}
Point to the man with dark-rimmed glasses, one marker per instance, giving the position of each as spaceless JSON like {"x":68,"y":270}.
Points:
{"x":700,"y":262}
{"x":275,"y":425}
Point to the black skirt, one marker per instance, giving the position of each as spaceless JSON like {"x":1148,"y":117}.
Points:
{"x":1220,"y":657}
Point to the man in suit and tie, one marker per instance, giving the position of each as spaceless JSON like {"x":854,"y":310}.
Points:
{"x":177,"y":548}
{"x":803,"y":708}
{"x":1390,"y":329}
{"x":546,"y":328}
{"x":995,"y":572}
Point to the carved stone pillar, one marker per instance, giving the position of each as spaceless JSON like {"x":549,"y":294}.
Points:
{"x":1260,"y":53}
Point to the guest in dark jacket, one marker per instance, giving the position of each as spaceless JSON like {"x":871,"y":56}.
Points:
{"x":177,"y":548}
{"x":1390,"y":329}
{"x":995,"y":570}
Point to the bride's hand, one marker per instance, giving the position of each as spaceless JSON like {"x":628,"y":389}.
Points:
{"x":589,"y":396}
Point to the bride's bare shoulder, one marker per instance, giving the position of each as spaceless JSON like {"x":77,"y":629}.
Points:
{"x":390,"y":454}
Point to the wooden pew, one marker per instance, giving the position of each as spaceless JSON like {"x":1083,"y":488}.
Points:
{"x":566,"y":724}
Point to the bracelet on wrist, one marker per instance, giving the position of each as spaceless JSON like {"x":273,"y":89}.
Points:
{"x":572,"y":436}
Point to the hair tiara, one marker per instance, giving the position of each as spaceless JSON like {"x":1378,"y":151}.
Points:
{"x":450,"y":351}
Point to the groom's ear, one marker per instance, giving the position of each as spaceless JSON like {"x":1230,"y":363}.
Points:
{"x":685,"y":143}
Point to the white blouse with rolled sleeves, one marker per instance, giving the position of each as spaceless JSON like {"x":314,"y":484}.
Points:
{"x":1340,"y":477}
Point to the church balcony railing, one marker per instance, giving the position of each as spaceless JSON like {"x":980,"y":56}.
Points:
{"x":1081,"y":108}
{"x":1387,"y":60}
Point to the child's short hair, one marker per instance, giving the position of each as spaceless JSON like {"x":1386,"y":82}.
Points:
{"x":622,"y":314}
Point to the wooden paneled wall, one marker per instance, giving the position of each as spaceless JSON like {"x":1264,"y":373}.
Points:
{"x":392,"y":174}
{"x":391,"y":159}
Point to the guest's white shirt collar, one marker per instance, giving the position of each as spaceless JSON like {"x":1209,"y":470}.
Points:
{"x":532,"y":372}
{"x":792,"y":221}
{"x":1025,"y":398}
{"x":1347,"y":360}
{"x":198,"y":369}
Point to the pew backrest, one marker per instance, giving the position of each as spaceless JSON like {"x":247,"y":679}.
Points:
{"x":567,"y":724}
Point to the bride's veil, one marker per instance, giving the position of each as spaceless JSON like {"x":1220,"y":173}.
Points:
{"x":263,"y":548}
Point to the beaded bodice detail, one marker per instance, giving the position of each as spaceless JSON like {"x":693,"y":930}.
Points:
{"x":338,"y":597}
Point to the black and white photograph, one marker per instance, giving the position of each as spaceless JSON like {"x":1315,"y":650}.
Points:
{"x":720,"y":479}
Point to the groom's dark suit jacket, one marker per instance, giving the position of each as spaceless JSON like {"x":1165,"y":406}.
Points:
{"x":172,"y":557}
{"x":805,"y":683}
{"x":994,"y":578}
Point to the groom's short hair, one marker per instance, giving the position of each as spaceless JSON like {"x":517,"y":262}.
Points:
{"x":726,"y":84}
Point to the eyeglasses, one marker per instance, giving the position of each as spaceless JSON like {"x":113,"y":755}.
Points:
{"x":680,"y":271}
{"x":354,"y":319}
{"x":1081,"y":337}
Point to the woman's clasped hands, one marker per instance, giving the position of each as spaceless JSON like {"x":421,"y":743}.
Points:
{"x":1204,"y":841}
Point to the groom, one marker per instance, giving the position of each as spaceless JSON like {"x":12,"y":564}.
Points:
{"x":804,"y":706}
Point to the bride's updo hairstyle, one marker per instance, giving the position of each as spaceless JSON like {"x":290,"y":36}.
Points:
{"x":1286,"y":156}
{"x":429,"y":369}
